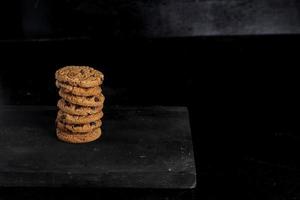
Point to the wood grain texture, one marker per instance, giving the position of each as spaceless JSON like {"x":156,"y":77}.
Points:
{"x":148,"y":147}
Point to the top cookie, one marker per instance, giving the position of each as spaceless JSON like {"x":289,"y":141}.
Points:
{"x":81,"y":76}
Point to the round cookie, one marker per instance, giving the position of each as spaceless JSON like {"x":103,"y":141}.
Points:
{"x":76,"y":109}
{"x":96,"y":100}
{"x":70,"y":137}
{"x":77,"y":119}
{"x":81,"y":76}
{"x":79,"y":128}
{"x":79,"y":91}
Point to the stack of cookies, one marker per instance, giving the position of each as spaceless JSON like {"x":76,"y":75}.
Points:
{"x":80,"y":107}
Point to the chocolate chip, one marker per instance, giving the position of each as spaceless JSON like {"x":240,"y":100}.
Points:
{"x":81,"y":71}
{"x":76,"y":125}
{"x":93,"y":108}
{"x":93,"y":123}
{"x":68,"y":104}
{"x":77,"y":107}
{"x":97,"y":99}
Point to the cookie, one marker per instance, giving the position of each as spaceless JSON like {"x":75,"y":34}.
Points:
{"x":80,"y":76}
{"x":76,"y":109}
{"x":96,"y":100}
{"x":70,"y":137}
{"x":78,"y":119}
{"x":79,"y":91}
{"x":79,"y":128}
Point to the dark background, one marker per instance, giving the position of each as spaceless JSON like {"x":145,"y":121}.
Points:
{"x":233,"y":63}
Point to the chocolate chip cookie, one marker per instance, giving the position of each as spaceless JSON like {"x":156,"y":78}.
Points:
{"x":68,"y":136}
{"x":94,"y":101}
{"x":79,"y":91}
{"x":78,"y":119}
{"x":79,"y":128}
{"x":80,"y":76}
{"x":76,"y":109}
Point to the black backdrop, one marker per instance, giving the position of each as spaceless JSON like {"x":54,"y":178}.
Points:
{"x":132,"y":18}
{"x":241,"y":91}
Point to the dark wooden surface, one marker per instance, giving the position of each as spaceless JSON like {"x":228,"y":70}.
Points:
{"x":146,"y":147}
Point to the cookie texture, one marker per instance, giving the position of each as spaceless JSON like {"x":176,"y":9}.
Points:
{"x":79,"y":128}
{"x":77,"y":109}
{"x":70,"y":137}
{"x":94,"y":101}
{"x":81,"y":76}
{"x":79,"y":91}
{"x":77,"y":119}
{"x":80,"y":107}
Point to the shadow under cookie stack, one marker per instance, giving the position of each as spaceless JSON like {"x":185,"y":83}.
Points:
{"x":80,"y":107}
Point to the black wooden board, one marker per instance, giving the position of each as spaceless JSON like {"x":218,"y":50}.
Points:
{"x":141,"y":147}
